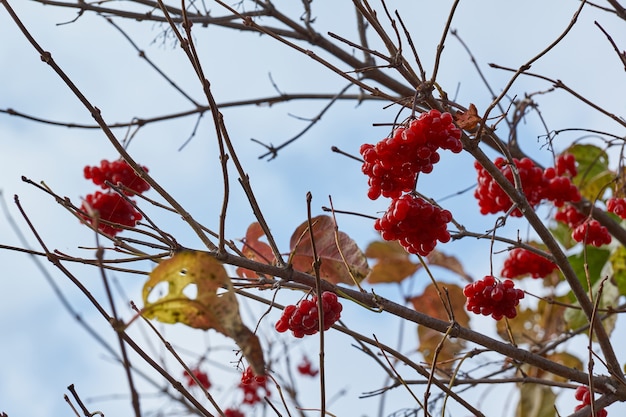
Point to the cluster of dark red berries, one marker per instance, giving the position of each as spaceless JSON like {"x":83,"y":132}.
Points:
{"x":393,"y":163}
{"x":110,"y":206}
{"x":251,"y":385}
{"x":553,"y":184}
{"x":117,"y":172}
{"x":521,"y":262}
{"x":201,"y":376}
{"x":233,"y":412}
{"x":392,"y":166}
{"x":415,"y":223}
{"x":588,"y":231}
{"x":583,"y":395}
{"x":303,"y":318}
{"x":617,"y":206}
{"x":494,"y":298}
{"x":306,"y":368}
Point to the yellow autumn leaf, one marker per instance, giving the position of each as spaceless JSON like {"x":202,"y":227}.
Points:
{"x":214,"y":306}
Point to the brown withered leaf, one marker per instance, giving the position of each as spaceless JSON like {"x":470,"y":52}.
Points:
{"x":208,"y":309}
{"x":430,"y":303}
{"x":393,"y":262}
{"x":255,"y":250}
{"x":333,"y":268}
{"x":468,"y":120}
{"x":451,"y":263}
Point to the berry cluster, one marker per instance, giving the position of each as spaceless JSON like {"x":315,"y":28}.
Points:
{"x":251,"y":384}
{"x":490,"y":297}
{"x":393,"y":163}
{"x":305,"y":368}
{"x":117,"y":172}
{"x":588,"y":231}
{"x":233,"y":412}
{"x":111,"y":206}
{"x":415,"y":223}
{"x":553,"y":184}
{"x":522,"y":262}
{"x":617,"y":206}
{"x":303,"y":318}
{"x":201,"y":376}
{"x":583,"y":395}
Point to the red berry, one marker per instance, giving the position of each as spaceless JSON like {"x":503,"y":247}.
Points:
{"x":415,"y":223}
{"x":201,"y":376}
{"x":521,"y":262}
{"x":393,"y":163}
{"x":617,"y":206}
{"x":251,"y":385}
{"x":583,"y":395}
{"x":233,"y":412}
{"x":493,"y":298}
{"x":305,"y":368}
{"x":116,"y":172}
{"x":110,"y":206}
{"x":303,"y":318}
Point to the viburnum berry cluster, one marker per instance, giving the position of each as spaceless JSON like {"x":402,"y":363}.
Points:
{"x":617,"y":206}
{"x":588,"y":231}
{"x":117,"y":172}
{"x":201,"y":376}
{"x":583,"y":395}
{"x":110,"y":206}
{"x":552,"y":184}
{"x":392,"y":166}
{"x":233,"y":412}
{"x":491,"y":297}
{"x":251,"y":385}
{"x":415,"y":223}
{"x":521,"y":262}
{"x":303,"y":319}
{"x":393,"y":163}
{"x":306,"y":368}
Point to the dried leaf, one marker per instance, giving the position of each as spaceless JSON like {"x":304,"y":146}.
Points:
{"x":451,"y":263}
{"x":393,"y":262}
{"x":208,"y":310}
{"x":468,"y":120}
{"x":430,"y":303}
{"x":536,"y":401}
{"x":255,"y":250}
{"x":333,"y":268}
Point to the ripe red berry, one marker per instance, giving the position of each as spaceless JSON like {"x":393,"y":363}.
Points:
{"x":494,"y":298}
{"x":303,"y":318}
{"x":393,"y":163}
{"x":201,"y":376}
{"x":583,"y":395}
{"x":415,"y":223}
{"x":305,"y":367}
{"x":110,"y":206}
{"x":116,"y":172}
{"x":617,"y":206}
{"x":521,"y":262}
{"x":588,"y":231}
{"x":251,"y":385}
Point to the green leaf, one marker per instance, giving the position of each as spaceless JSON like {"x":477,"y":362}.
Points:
{"x":593,"y":170}
{"x":576,"y":318}
{"x":618,"y":262}
{"x":563,"y":235}
{"x":595,"y":258}
{"x":536,"y":401}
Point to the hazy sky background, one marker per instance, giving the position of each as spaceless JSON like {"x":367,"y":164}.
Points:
{"x":43,"y":349}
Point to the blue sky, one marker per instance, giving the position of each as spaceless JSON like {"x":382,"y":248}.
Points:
{"x":44,"y":349}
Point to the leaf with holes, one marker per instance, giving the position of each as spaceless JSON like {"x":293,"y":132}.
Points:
{"x":341,"y":259}
{"x":213,"y":307}
{"x":255,"y":250}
